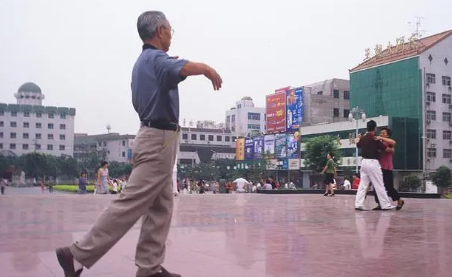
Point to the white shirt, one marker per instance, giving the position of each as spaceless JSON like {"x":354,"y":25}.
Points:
{"x":115,"y":186}
{"x":241,"y":184}
{"x":347,"y":184}
{"x":268,"y":186}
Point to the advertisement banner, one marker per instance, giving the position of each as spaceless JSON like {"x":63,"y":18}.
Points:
{"x":294,"y":164}
{"x":240,"y":149}
{"x":293,"y":145}
{"x":294,"y":109}
{"x":272,"y":164}
{"x":249,"y":145}
{"x":283,"y":164}
{"x":269,"y":146}
{"x":280,"y":145}
{"x":276,"y":113}
{"x":281,"y":90}
{"x":258,"y":147}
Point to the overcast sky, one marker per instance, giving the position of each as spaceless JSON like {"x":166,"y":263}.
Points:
{"x":81,"y":52}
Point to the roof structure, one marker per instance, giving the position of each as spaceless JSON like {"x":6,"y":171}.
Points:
{"x":29,"y":87}
{"x":402,"y":51}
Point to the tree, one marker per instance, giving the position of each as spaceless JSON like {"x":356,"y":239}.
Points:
{"x":442,"y":178}
{"x":316,"y":150}
{"x":411,"y":183}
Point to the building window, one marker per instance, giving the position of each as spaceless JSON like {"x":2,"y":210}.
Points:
{"x":234,"y":139}
{"x":431,"y":96}
{"x":63,"y":116}
{"x":62,"y":147}
{"x":25,"y":146}
{"x":346,"y":94}
{"x":1,"y":134}
{"x":1,"y":145}
{"x":123,"y":143}
{"x":38,"y":136}
{"x":431,"y":152}
{"x":13,"y":124}
{"x":431,"y":115}
{"x":193,"y":137}
{"x":335,"y":93}
{"x":184,"y":136}
{"x":62,"y":137}
{"x":228,"y":118}
{"x":62,"y":126}
{"x":2,"y":113}
{"x":431,"y":134}
{"x":219,"y":138}
{"x":319,"y":92}
{"x":123,"y":154}
{"x":227,"y":138}
{"x":51,"y":115}
{"x":26,"y":114}
{"x":49,"y":136}
{"x":25,"y":136}
{"x":38,"y":115}
{"x":254,"y":116}
{"x":13,"y":113}
{"x":239,"y":106}
{"x":50,"y":126}
{"x":12,"y":146}
{"x":37,"y":146}
{"x":447,"y":117}
{"x":49,"y":147}
{"x":446,"y":81}
{"x":210,"y":137}
{"x":12,"y":135}
{"x":2,"y":124}
{"x":104,"y":143}
{"x":447,"y":135}
{"x":346,"y":113}
{"x":233,"y":118}
{"x":431,"y":78}
{"x":254,"y":126}
{"x":26,"y":125}
{"x":38,"y":125}
{"x":335,"y":112}
{"x":202,"y":137}
{"x":446,"y":98}
{"x":447,"y":153}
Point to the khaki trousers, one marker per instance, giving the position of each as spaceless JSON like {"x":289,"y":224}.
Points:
{"x":148,"y":195}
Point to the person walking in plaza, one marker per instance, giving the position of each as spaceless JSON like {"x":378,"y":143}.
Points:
{"x":149,"y":192}
{"x":371,"y":169}
{"x":102,"y":179}
{"x":385,"y":159}
{"x":330,"y":173}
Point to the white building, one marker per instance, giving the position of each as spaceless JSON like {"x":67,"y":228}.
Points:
{"x":112,"y":147}
{"x":28,"y":126}
{"x":245,"y":119}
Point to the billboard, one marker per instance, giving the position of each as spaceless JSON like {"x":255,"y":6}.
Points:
{"x":249,"y":147}
{"x":280,"y":90}
{"x":258,"y":147}
{"x":269,"y":146}
{"x":280,"y":145}
{"x":276,"y":112}
{"x":294,"y":109}
{"x":293,"y":146}
{"x":240,"y":149}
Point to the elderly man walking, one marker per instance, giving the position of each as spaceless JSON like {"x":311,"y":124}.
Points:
{"x":149,"y":192}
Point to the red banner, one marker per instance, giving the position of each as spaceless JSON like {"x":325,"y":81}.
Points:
{"x":280,"y":90}
{"x":276,"y":113}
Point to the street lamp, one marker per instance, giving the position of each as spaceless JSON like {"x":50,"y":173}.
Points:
{"x":356,"y":114}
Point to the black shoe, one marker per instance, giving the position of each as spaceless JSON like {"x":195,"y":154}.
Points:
{"x":326,"y":194}
{"x":66,"y":261}
{"x":360,"y":209}
{"x":377,"y":208}
{"x":331,"y":195}
{"x":165,"y":273}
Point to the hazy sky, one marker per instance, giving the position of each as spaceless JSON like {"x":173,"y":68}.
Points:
{"x":81,"y":52}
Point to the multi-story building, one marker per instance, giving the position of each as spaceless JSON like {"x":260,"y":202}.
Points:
{"x":326,"y":101}
{"x":112,"y":147}
{"x":411,"y":83}
{"x":204,"y":144}
{"x":28,"y":126}
{"x":245,"y":119}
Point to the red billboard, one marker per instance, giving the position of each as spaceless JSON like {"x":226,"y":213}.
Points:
{"x":276,"y":112}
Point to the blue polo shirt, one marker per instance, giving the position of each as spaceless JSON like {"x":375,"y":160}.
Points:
{"x":155,"y":77}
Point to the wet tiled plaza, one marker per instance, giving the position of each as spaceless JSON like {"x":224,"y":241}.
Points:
{"x":240,"y":235}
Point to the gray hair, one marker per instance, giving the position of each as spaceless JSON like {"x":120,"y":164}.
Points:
{"x":148,"y":22}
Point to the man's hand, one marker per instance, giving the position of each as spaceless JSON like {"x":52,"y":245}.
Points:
{"x":213,"y":76}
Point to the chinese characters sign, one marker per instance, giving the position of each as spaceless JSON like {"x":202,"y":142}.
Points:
{"x":276,"y":113}
{"x":294,"y":112}
{"x":240,"y":149}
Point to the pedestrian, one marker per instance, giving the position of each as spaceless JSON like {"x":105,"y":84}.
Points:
{"x":102,"y":179}
{"x":2,"y":186}
{"x":149,"y":193}
{"x":330,"y":173}
{"x":82,"y":182}
{"x":371,"y":169}
{"x":387,"y":167}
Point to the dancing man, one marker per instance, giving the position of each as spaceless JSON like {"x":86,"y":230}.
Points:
{"x":371,"y":169}
{"x":387,"y":168}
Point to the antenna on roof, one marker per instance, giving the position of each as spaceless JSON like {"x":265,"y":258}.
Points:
{"x":417,"y":33}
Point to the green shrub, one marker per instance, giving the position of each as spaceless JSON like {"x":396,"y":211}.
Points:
{"x":72,"y":188}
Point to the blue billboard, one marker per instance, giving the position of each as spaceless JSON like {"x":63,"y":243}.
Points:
{"x":258,"y":147}
{"x":280,"y":145}
{"x":249,"y":149}
{"x":293,"y":146}
{"x":294,"y":109}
